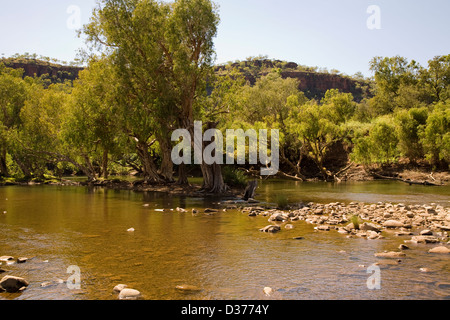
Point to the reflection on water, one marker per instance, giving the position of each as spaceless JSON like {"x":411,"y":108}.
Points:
{"x":224,"y":254}
{"x":367,"y":192}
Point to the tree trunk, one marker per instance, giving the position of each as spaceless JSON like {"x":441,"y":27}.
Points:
{"x":166,"y":170}
{"x":213,"y":179}
{"x":212,"y":174}
{"x":105,"y":164}
{"x":182,"y":175}
{"x":295,"y":168}
{"x":3,"y":166}
{"x":148,"y":165}
{"x":25,"y":169}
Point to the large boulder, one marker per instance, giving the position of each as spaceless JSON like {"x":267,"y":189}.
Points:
{"x":13,"y":284}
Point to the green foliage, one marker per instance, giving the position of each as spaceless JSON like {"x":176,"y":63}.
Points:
{"x":408,"y":125}
{"x":435,"y":136}
{"x":234,"y":177}
{"x":379,"y":146}
{"x":282,"y":201}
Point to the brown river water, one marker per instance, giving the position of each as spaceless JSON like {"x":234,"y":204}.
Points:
{"x":223,"y":254}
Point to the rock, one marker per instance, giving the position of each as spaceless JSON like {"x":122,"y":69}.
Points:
{"x":403,"y":247}
{"x":278,"y":216}
{"x":318,"y":211}
{"x":403,"y":233}
{"x":46,"y":284}
{"x":368,"y":227}
{"x":209,"y":210}
{"x":13,"y":284}
{"x":440,"y":249}
{"x":188,"y":288}
{"x":323,"y":228}
{"x":194,"y":211}
{"x":443,"y":285}
{"x":371,"y":235}
{"x":181,"y":210}
{"x":410,"y":215}
{"x":119,"y":287}
{"x":298,"y":238}
{"x":392,"y":254}
{"x":425,"y":270}
{"x":22,"y":260}
{"x":6,"y":258}
{"x":131,"y":230}
{"x":270,"y":229}
{"x":393,"y":224}
{"x":424,"y":239}
{"x":426,"y":232}
{"x":268,"y":291}
{"x":129,"y":294}
{"x":289,"y":226}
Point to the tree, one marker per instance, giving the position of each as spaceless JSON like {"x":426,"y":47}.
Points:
{"x":408,"y":125}
{"x":270,"y":102}
{"x":92,"y":125}
{"x":435,"y":136}
{"x":379,"y":144}
{"x":437,"y":78}
{"x":391,"y":74}
{"x":163,"y":53}
{"x":13,"y":94}
{"x":39,"y":138}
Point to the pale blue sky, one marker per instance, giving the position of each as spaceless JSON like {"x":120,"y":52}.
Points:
{"x":323,"y":33}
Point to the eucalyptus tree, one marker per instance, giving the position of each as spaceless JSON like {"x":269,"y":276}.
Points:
{"x":163,"y":53}
{"x":13,"y":94}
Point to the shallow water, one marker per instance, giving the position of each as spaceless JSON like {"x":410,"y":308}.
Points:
{"x":223,"y":254}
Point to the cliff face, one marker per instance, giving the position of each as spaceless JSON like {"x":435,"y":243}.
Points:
{"x":313,"y":84}
{"x":39,"y":68}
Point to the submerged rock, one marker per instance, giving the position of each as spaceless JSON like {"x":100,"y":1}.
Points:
{"x":392,"y":254}
{"x":270,"y":229}
{"x":13,"y":284}
{"x":188,"y":288}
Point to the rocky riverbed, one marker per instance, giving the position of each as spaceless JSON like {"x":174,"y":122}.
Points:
{"x":417,"y":223}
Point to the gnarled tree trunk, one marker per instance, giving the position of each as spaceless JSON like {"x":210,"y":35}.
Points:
{"x":148,"y":165}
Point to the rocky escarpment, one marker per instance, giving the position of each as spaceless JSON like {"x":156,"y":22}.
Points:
{"x":39,"y":68}
{"x":313,"y":83}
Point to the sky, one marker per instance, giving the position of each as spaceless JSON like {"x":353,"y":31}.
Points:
{"x":333,"y":34}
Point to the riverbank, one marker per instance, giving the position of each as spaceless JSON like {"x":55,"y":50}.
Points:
{"x":354,"y":173}
{"x":401,"y":171}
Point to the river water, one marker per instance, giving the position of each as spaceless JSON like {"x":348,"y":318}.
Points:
{"x":223,"y":254}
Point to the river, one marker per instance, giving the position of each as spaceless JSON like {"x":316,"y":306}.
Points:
{"x":223,"y":254}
